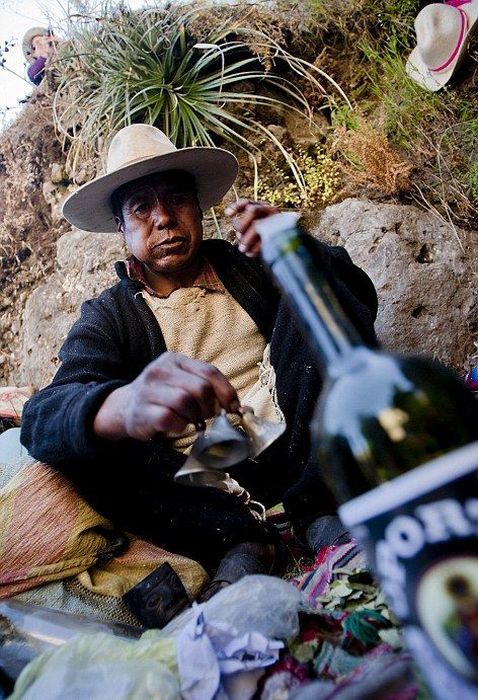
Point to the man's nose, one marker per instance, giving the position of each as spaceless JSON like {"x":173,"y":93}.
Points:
{"x":163,"y":215}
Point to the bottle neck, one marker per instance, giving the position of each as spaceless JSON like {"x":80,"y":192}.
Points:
{"x":327,"y":328}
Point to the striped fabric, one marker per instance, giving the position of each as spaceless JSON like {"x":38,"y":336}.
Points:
{"x":331,"y":564}
{"x":49,"y":533}
{"x":12,"y":400}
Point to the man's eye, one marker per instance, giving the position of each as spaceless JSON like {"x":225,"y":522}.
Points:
{"x":140,"y":208}
{"x":178,"y":200}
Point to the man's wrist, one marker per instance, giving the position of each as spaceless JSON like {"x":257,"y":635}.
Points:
{"x":109,"y":422}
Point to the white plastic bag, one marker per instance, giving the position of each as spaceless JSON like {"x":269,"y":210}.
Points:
{"x":103,"y":667}
{"x":258,"y":603}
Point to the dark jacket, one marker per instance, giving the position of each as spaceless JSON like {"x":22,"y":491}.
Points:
{"x":117,"y":335}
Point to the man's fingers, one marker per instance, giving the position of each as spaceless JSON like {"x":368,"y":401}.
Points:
{"x":200,"y":391}
{"x":180,"y":399}
{"x":249,"y":241}
{"x":237,"y":207}
{"x":171,"y":392}
{"x":223,"y":390}
{"x":155,"y":419}
{"x":250,"y":212}
{"x":246,"y":213}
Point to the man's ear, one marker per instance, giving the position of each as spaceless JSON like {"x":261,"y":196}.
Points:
{"x":119,"y":226}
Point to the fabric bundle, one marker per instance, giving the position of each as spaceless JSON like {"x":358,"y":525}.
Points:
{"x":48,"y":533}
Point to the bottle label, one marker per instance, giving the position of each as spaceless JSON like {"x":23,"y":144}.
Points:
{"x":420,"y":533}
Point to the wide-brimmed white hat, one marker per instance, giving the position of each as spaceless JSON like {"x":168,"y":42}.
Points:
{"x":139,"y":150}
{"x":27,"y":40}
{"x":443,"y":32}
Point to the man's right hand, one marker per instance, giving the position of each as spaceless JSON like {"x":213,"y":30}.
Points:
{"x":170,"y":392}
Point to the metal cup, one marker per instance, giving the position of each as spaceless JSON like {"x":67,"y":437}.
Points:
{"x":261,"y":433}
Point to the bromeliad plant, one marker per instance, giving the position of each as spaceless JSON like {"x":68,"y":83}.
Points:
{"x":145,"y":67}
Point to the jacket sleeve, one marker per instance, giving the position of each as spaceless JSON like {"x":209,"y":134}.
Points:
{"x":57,"y":422}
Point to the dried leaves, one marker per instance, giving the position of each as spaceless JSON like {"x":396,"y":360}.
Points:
{"x":372,"y":161}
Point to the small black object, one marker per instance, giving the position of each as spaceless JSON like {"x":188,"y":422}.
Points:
{"x":157,"y":598}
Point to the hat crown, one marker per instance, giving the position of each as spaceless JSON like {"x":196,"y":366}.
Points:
{"x":136,"y":143}
{"x":438,"y":28}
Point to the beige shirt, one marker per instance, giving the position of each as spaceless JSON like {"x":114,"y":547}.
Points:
{"x":210,"y":325}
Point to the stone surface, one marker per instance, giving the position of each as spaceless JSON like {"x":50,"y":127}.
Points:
{"x":55,"y":195}
{"x":425,"y":280}
{"x":306,"y":132}
{"x":85,"y":268}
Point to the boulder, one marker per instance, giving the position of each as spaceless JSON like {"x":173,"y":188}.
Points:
{"x":425,"y":281}
{"x":424,"y":272}
{"x":84,"y":269}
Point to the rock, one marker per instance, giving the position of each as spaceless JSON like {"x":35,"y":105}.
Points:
{"x":58,"y":173}
{"x":55,"y":195}
{"x":306,"y":132}
{"x":425,"y":282}
{"x":83,"y":252}
{"x":279,"y":132}
{"x":85,"y":268}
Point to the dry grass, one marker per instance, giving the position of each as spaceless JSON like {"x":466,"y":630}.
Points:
{"x":370,"y":160}
{"x":283,"y":22}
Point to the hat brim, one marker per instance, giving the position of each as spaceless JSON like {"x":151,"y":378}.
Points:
{"x":27,"y":40}
{"x":419,"y":71}
{"x":214,"y":170}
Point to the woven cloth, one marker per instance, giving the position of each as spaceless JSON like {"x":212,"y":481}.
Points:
{"x":12,"y":400}
{"x":49,"y":533}
{"x":331,"y":565}
{"x":116,"y":576}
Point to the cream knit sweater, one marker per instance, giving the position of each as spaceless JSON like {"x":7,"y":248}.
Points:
{"x":213,"y":327}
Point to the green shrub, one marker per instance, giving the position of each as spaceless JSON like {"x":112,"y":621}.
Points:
{"x":473,"y":182}
{"x":146,"y":67}
{"x":321,"y":175}
{"x":351,"y":20}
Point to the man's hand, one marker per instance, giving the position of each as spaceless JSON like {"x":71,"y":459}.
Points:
{"x":170,"y":392}
{"x":245,"y":213}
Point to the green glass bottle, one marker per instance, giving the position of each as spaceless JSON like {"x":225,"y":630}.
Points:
{"x":380,"y":417}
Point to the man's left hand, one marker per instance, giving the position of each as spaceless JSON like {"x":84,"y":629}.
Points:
{"x":245,"y":213}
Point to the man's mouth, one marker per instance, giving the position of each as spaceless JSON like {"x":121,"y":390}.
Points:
{"x":173,"y":242}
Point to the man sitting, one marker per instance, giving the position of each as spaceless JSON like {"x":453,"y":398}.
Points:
{"x":191,"y":326}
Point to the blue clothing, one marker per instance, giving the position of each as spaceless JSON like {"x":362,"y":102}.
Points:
{"x":36,"y":70}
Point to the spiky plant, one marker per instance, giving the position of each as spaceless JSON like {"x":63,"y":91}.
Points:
{"x":144,"y":67}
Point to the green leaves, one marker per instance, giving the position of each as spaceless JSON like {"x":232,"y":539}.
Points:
{"x":145,"y":67}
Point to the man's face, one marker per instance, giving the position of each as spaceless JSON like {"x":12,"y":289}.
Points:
{"x":161,"y":222}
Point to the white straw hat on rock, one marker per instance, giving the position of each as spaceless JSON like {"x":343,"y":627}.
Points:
{"x":140,"y":150}
{"x":443,"y":32}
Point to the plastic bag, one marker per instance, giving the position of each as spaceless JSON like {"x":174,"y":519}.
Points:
{"x":258,"y":603}
{"x":104,"y":667}
{"x":28,"y":630}
{"x":224,"y":644}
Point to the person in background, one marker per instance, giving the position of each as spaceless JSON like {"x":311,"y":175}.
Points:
{"x":39,"y":45}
